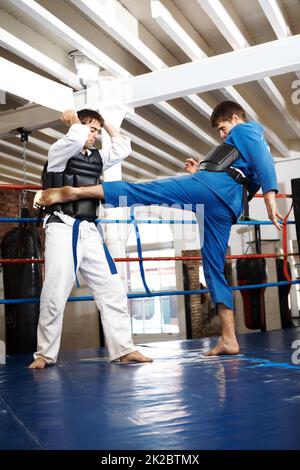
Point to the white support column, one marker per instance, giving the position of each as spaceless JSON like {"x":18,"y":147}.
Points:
{"x":116,"y":234}
{"x":97,"y":94}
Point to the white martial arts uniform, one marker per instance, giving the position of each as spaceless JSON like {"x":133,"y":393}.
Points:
{"x":107,"y":288}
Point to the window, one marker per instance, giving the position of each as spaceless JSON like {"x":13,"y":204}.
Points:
{"x":153,"y":315}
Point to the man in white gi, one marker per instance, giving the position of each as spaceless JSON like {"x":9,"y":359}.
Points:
{"x":73,"y":241}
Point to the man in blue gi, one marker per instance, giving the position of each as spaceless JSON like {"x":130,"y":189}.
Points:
{"x":242,"y":162}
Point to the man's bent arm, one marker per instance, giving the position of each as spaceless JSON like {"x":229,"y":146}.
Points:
{"x":270,"y":202}
{"x":119,"y":149}
{"x":66,"y":147}
{"x":70,"y":144}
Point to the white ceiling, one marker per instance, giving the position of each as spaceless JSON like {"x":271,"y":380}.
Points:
{"x":129,"y":38}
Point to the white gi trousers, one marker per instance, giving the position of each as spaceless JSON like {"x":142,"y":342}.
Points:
{"x":106,"y":288}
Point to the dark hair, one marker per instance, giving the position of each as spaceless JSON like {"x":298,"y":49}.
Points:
{"x":88,"y":115}
{"x":224,"y":112}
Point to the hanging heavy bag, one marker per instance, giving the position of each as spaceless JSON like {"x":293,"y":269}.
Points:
{"x":295,"y":183}
{"x":253,"y":271}
{"x":21,"y":281}
{"x":283,"y":292}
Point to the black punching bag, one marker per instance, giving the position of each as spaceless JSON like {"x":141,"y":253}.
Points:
{"x":253,"y":271}
{"x":295,"y":183}
{"x":21,"y":281}
{"x":283,"y":291}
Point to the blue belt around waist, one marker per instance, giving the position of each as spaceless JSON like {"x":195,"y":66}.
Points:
{"x":75,"y":235}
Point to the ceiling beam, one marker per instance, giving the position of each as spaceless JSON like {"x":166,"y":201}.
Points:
{"x":19,"y":39}
{"x":40,"y":143}
{"x":275,"y":15}
{"x":52,"y":24}
{"x":186,"y":123}
{"x":241,"y":66}
{"x":19,"y":149}
{"x":149,"y":161}
{"x":152,"y":148}
{"x":168,"y":22}
{"x":237,"y":40}
{"x":7,"y":169}
{"x":137,"y":169}
{"x":76,"y":40}
{"x":103,"y":13}
{"x":160,"y":134}
{"x":8,"y":179}
{"x":33,"y":87}
{"x":220,"y":16}
{"x":19,"y":162}
{"x":106,"y":14}
{"x":111,"y":17}
{"x":30,"y":116}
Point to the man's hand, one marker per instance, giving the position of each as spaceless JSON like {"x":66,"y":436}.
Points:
{"x":69,"y":117}
{"x":271,"y":206}
{"x":191,"y":166}
{"x":111,"y":130}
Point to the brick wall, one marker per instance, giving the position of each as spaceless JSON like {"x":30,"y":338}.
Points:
{"x":203,"y":318}
{"x":9,"y":207}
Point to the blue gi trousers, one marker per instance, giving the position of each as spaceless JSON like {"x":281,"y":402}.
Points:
{"x":182,"y":191}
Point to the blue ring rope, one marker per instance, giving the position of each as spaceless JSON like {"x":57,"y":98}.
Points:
{"x":147,"y":293}
{"x":36,"y":300}
{"x":141,"y":221}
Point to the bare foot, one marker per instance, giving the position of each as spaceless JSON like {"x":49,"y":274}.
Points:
{"x":50,"y":196}
{"x":55,"y":195}
{"x":38,"y":363}
{"x":135,"y":356}
{"x":229,"y":347}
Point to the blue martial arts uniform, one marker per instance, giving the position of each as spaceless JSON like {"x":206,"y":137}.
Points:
{"x":220,"y":194}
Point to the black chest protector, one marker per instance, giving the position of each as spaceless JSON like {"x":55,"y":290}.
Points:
{"x":80,"y":171}
{"x":220,"y":158}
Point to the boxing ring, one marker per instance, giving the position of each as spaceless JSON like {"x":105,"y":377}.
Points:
{"x":181,"y":401}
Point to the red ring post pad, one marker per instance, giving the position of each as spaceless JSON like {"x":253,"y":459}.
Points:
{"x":278,"y":195}
{"x":153,"y":258}
{"x":20,"y":186}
